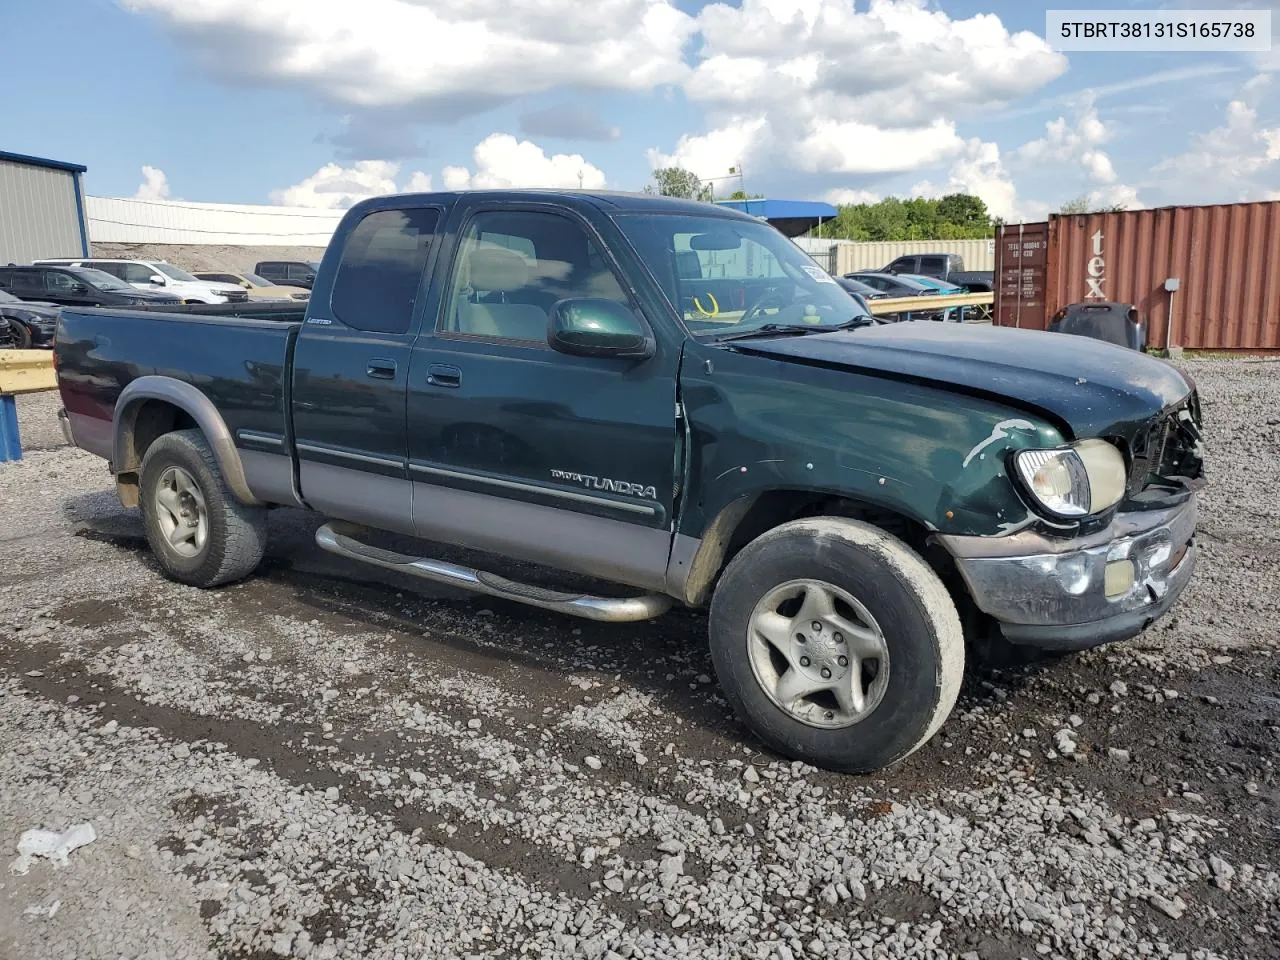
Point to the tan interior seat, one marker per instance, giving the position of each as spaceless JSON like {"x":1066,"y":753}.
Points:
{"x":498,"y":270}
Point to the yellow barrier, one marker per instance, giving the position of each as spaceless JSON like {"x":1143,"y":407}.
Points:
{"x":920,"y":304}
{"x":26,"y":371}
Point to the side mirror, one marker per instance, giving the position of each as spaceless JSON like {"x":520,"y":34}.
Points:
{"x":79,"y":288}
{"x":157,"y":279}
{"x":310,"y":278}
{"x":596,"y":327}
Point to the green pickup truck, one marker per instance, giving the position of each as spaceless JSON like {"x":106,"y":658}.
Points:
{"x":672,"y":398}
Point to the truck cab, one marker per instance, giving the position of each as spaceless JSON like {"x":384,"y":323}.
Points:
{"x":671,"y":398}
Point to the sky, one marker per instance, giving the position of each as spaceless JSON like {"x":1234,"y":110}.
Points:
{"x":320,"y":103}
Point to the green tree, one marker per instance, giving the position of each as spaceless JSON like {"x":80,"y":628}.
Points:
{"x":954,"y":217}
{"x":964,"y":210}
{"x":678,"y":182}
{"x":743,"y":195}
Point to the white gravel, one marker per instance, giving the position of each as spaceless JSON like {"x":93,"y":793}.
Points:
{"x":323,"y":762}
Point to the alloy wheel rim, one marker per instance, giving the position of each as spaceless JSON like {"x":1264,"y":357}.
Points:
{"x":181,"y":512}
{"x":818,"y":653}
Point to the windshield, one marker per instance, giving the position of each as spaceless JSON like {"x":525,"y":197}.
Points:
{"x":726,"y":276}
{"x":6,"y":297}
{"x":257,"y":281}
{"x":100,"y":279}
{"x":314,"y":265}
{"x":173,"y":273}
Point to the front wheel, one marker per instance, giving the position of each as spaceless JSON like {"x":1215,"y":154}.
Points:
{"x":836,"y":643}
{"x":201,"y":534}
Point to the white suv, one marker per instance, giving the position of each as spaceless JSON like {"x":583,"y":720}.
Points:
{"x":159,"y":275}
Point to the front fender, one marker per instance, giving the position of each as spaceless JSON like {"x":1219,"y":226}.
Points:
{"x":936,"y":456}
{"x":184,"y":396}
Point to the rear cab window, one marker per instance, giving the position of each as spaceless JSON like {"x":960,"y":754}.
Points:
{"x":380,"y":273}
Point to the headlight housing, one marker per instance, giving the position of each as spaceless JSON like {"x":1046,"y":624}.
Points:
{"x":1076,"y":481}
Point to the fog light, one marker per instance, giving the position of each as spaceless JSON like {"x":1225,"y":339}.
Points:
{"x":1118,"y":579}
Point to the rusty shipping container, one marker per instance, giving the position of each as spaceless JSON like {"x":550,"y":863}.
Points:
{"x":1225,"y":259}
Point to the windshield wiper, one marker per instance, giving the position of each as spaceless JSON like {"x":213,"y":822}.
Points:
{"x":775,"y":329}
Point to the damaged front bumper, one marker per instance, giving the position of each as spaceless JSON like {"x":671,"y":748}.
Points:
{"x":1083,"y":592}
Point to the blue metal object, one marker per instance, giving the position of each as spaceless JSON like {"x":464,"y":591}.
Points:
{"x":84,"y":225}
{"x":10,"y":442}
{"x":792,"y":217}
{"x":42,"y":162}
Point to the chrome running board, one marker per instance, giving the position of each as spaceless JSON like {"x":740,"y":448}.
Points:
{"x":340,"y":538}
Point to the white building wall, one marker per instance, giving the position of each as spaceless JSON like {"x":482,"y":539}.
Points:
{"x":854,"y":255}
{"x":120,"y":220}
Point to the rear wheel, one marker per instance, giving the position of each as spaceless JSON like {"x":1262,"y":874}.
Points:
{"x":200,"y":533}
{"x":22,"y":335}
{"x":836,"y":643}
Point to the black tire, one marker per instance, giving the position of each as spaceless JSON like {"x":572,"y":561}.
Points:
{"x":917,"y":617}
{"x":237,"y":533}
{"x":22,"y":335}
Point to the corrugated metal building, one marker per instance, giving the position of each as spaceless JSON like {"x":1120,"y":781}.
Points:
{"x":1225,"y":259}
{"x":849,"y":256}
{"x":119,"y":220}
{"x":41,"y":209}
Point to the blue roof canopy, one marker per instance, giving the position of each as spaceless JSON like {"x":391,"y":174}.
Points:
{"x":42,"y":162}
{"x":791,"y":217}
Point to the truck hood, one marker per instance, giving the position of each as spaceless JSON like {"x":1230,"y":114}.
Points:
{"x":1093,"y":389}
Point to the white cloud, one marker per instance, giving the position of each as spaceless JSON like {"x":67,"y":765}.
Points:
{"x":503,"y":161}
{"x":1116,"y":195}
{"x":851,"y":147}
{"x":1236,"y":161}
{"x":712,"y":155}
{"x":980,"y":171}
{"x":1075,"y":143}
{"x":446,"y":57}
{"x":334,"y":187}
{"x":419,"y":182}
{"x":843,"y":195}
{"x":822,"y":87}
{"x":154,"y":186}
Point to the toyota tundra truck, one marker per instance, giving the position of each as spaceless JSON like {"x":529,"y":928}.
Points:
{"x":670,"y":397}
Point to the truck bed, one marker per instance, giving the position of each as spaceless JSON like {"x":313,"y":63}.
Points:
{"x":241,"y":362}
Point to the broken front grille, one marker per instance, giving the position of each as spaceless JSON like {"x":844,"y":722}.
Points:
{"x":1168,"y":454}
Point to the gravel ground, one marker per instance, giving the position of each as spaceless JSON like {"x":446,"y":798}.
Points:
{"x":326,"y":762}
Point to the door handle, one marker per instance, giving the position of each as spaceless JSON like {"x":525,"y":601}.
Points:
{"x":444,"y":375}
{"x":381,"y":369}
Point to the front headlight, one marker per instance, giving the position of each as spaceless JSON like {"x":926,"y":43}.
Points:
{"x":1072,"y":482}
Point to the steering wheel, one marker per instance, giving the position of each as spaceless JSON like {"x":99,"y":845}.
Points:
{"x":774,"y":296}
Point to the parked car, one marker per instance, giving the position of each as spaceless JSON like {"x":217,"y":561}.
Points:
{"x":864,"y":290}
{"x":74,"y":286}
{"x":1118,"y":323}
{"x":945,"y":266}
{"x":891,"y":286}
{"x":154,"y":275}
{"x":520,"y":373}
{"x":258,"y":288}
{"x":28,"y":324}
{"x":293,"y":273}
{"x":940,"y":288}
{"x":861,"y":293}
